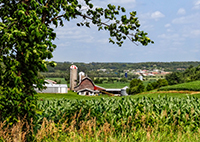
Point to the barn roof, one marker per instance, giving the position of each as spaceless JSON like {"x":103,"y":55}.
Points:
{"x":83,"y":80}
{"x":96,"y":87}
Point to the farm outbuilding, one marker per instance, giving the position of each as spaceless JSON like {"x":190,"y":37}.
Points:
{"x":54,"y":88}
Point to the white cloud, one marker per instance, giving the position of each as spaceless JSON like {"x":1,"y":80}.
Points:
{"x":195,"y":32}
{"x":122,"y":1}
{"x":128,"y":4}
{"x":156,"y":15}
{"x":174,"y":39}
{"x":197,"y":5}
{"x":170,"y":36}
{"x":187,"y":19}
{"x":181,"y":11}
{"x":169,"y":30}
{"x":168,"y":25}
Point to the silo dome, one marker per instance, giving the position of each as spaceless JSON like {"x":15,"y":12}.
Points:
{"x":81,"y":76}
{"x":73,"y":67}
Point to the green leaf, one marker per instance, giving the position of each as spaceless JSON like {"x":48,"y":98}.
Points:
{"x":123,"y":9}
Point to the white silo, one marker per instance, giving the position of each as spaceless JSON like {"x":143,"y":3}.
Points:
{"x":73,"y":76}
{"x":81,"y":76}
{"x":123,"y":91}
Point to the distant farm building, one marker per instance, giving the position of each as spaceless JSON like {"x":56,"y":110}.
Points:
{"x":87,"y":88}
{"x":50,"y":87}
{"x":140,"y":77}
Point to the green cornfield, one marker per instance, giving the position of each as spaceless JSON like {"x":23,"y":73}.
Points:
{"x":138,"y":112}
{"x":113,"y":119}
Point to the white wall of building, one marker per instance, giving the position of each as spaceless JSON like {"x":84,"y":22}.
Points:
{"x":54,"y":88}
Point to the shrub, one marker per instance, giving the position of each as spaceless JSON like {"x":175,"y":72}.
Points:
{"x":136,"y":86}
{"x":149,"y":87}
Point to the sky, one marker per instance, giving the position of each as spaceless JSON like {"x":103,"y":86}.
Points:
{"x":173,"y":25}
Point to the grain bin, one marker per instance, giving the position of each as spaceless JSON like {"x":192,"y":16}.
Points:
{"x":123,"y":91}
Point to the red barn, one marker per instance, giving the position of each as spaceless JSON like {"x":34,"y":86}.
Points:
{"x":87,"y":87}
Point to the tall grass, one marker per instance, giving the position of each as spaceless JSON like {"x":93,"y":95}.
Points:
{"x":89,"y":131}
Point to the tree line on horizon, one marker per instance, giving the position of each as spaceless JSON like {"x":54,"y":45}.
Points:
{"x":115,"y":69}
{"x":169,"y":66}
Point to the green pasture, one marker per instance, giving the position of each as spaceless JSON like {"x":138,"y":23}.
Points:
{"x":70,"y":95}
{"x":118,"y":85}
{"x":190,"y":86}
{"x":61,"y":79}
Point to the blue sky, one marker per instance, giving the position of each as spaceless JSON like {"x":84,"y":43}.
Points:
{"x":174,"y":26}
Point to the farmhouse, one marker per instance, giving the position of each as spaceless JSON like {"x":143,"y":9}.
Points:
{"x":88,"y":88}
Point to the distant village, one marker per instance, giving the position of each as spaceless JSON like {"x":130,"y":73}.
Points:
{"x":143,"y":72}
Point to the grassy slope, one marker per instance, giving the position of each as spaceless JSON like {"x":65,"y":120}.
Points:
{"x":190,"y":86}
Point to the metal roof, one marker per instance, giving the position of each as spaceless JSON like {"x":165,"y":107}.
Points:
{"x":113,"y":89}
{"x":56,"y":85}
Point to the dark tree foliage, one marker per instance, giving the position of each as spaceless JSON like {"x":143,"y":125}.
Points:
{"x":98,"y":80}
{"x":149,"y":87}
{"x":190,"y":74}
{"x":136,"y":86}
{"x":157,"y":84}
{"x":123,"y":80}
{"x":175,"y":78}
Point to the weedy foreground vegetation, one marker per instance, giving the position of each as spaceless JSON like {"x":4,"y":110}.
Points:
{"x":111,"y":119}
